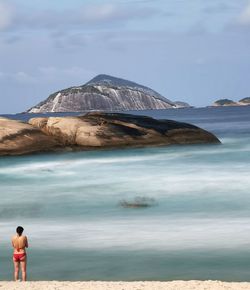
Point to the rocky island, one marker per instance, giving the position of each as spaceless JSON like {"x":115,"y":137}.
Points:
{"x":229,"y":103}
{"x":245,"y":101}
{"x":95,"y":131}
{"x":105,"y":93}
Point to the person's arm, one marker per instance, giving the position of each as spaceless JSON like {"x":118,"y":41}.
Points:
{"x":12,"y":242}
{"x":26,"y":242}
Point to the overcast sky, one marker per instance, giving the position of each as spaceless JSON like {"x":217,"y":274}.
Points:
{"x":190,"y":50}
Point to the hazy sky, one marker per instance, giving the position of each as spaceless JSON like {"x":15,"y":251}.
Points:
{"x":190,"y":50}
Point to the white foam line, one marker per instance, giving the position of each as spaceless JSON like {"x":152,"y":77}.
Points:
{"x":63,"y":165}
{"x":69,"y":164}
{"x":146,"y":233}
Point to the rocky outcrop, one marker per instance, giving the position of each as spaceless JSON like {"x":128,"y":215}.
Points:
{"x":18,"y":138}
{"x":180,"y":105}
{"x":95,"y":130}
{"x":104,"y":93}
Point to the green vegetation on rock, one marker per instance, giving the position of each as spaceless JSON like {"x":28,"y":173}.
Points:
{"x":225,"y":102}
{"x":245,"y":100}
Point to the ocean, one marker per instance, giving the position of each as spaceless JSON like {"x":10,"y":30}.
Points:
{"x":70,"y":207}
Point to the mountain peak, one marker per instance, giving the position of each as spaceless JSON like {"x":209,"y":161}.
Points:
{"x":107,"y":80}
{"x":102,"y":79}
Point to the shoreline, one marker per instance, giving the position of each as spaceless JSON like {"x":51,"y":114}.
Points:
{"x":122,"y":285}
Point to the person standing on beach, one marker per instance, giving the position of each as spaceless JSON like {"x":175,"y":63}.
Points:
{"x":19,"y":243}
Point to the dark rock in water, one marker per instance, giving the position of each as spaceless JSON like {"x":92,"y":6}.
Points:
{"x":138,"y":202}
{"x":18,"y":138}
{"x":95,"y":130}
{"x":105,"y":93}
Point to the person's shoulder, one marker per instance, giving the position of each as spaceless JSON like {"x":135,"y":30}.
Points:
{"x":13,"y":239}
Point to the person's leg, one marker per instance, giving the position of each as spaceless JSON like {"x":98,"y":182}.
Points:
{"x":23,"y":262}
{"x":16,"y":270}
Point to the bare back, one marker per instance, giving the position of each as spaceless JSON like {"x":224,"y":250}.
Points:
{"x":19,"y":243}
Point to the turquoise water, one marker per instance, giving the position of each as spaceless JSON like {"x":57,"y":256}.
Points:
{"x":198,"y":228}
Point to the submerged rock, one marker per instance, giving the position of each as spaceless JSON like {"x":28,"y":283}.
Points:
{"x":18,"y":138}
{"x":138,"y":202}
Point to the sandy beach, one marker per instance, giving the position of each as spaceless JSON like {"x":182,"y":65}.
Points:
{"x":96,"y":285}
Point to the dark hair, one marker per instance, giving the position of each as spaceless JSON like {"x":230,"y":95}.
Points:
{"x":19,"y":230}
